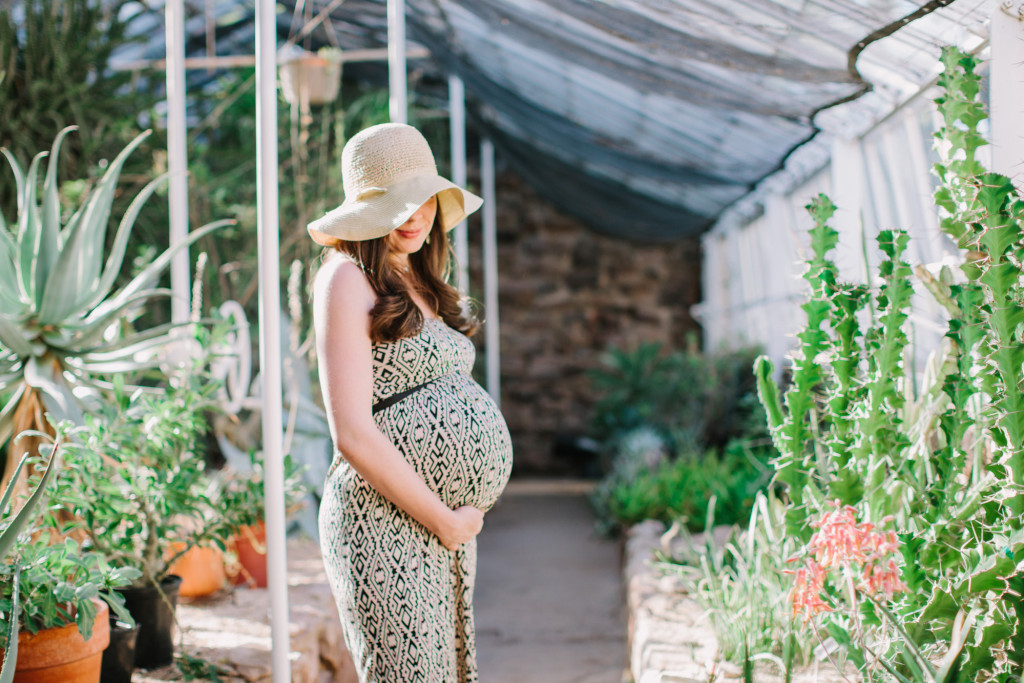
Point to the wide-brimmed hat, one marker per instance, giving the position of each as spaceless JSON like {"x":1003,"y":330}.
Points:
{"x":388,"y":173}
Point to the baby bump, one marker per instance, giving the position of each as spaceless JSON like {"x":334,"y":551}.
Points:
{"x":455,"y":437}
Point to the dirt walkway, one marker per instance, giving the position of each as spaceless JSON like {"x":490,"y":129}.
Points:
{"x":549,"y":600}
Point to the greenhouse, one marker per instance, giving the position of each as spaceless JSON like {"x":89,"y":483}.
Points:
{"x":526,"y":340}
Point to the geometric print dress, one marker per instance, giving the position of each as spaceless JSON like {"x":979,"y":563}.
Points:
{"x":406,"y":601}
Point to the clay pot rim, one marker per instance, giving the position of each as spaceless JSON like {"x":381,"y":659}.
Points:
{"x":29,"y":660}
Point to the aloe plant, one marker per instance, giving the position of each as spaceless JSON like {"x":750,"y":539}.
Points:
{"x":62,"y":321}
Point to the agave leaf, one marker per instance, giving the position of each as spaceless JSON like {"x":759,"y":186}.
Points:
{"x":28,"y":231}
{"x":12,"y":403}
{"x":9,"y":308}
{"x":116,"y":256}
{"x":10,"y":534}
{"x":61,"y":402}
{"x":120,"y":366}
{"x":109,"y":387}
{"x":49,"y":226}
{"x":8,"y":250}
{"x":19,"y":177}
{"x":116,"y":345}
{"x":130,"y":349}
{"x":86,"y":241}
{"x":149,"y":275}
{"x":67,"y":291}
{"x":11,"y":338}
{"x":9,"y":300}
{"x":93,"y":327}
{"x":5,"y":500}
{"x":11,"y":655}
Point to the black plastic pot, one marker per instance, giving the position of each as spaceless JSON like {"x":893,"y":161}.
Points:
{"x":154,"y":645}
{"x":119,"y":657}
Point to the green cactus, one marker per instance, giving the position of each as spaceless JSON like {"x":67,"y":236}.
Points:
{"x":948,"y":462}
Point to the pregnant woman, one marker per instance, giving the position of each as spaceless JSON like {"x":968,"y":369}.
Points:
{"x":422,"y":451}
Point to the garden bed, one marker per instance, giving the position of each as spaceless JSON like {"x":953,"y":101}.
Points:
{"x":670,"y":639}
{"x":232,"y":629}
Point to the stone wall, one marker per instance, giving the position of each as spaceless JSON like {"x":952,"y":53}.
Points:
{"x":566,"y":294}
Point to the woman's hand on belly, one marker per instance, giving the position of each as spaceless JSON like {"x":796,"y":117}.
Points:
{"x":465,"y":523}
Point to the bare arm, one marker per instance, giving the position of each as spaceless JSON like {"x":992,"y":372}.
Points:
{"x":342,"y":300}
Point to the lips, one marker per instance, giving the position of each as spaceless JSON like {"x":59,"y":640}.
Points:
{"x":408,"y":234}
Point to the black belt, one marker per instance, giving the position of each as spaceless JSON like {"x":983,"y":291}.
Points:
{"x":392,"y":400}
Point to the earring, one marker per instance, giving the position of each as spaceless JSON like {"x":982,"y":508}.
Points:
{"x":428,"y":238}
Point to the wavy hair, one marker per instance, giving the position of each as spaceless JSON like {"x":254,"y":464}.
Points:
{"x":396,"y":315}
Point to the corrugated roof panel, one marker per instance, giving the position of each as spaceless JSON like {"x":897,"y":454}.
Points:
{"x":647,"y":118}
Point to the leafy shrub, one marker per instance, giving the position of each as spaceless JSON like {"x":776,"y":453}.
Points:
{"x":683,"y":488}
{"x":695,"y":400}
{"x":677,"y":428}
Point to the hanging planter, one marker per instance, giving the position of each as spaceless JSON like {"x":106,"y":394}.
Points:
{"x":61,"y":654}
{"x":311,"y":77}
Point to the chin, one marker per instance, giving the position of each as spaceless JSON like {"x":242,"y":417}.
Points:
{"x":411,"y":246}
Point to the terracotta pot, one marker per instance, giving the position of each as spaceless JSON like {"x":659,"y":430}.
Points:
{"x":61,"y":655}
{"x":201,"y":571}
{"x":250,"y":546}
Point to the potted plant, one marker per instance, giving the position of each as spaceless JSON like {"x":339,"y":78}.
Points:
{"x":139,"y":490}
{"x":62,"y":320}
{"x":242,"y":504}
{"x":54,"y":595}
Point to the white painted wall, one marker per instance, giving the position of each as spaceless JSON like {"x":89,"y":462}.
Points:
{"x":753,"y":256}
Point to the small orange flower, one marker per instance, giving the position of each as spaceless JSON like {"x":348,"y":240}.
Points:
{"x":841,"y":543}
{"x":806,"y":595}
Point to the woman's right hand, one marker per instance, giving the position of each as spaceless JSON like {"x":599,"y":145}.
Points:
{"x":463,"y":525}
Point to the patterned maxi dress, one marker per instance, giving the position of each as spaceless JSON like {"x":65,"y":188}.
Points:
{"x":406,"y":601}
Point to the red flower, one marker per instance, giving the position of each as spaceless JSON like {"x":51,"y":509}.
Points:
{"x":841,"y":543}
{"x":806,"y":595}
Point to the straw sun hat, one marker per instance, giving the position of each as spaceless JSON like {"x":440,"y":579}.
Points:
{"x":388,"y":173}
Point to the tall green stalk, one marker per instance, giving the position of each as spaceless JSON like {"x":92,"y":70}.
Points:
{"x":792,"y":429}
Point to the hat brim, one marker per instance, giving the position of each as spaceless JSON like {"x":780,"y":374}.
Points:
{"x":379,"y":213}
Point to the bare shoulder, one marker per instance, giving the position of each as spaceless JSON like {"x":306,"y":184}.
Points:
{"x":341,"y":287}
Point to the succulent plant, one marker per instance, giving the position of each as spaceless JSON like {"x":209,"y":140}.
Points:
{"x":62,"y":321}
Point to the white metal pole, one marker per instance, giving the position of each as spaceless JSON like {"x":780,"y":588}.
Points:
{"x":492,"y":327}
{"x":270,"y":336}
{"x":397,"y":100}
{"x":457,"y":128}
{"x":177,"y":156}
{"x":1007,"y":99}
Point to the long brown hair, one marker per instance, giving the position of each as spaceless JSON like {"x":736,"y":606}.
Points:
{"x":396,"y":315}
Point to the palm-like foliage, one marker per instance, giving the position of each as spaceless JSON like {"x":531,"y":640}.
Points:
{"x":61,"y":318}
